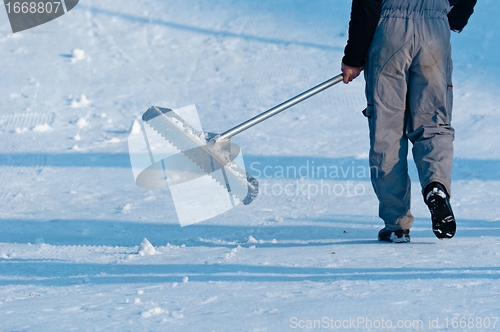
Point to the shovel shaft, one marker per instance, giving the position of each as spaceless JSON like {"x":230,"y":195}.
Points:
{"x":279,"y":108}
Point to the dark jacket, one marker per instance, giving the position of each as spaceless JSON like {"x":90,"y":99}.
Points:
{"x":365,"y":15}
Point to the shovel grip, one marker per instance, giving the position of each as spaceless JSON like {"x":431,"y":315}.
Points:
{"x":279,"y":108}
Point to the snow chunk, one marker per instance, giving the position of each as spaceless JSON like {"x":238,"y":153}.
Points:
{"x":251,"y":239}
{"x":77,"y":55}
{"x":82,"y":102}
{"x":126,"y":208}
{"x":146,"y":248}
{"x":81,"y":122}
{"x":185,"y":279}
{"x":153,"y":312}
{"x":77,"y":137}
{"x":42,"y":128}
{"x":21,"y":130}
{"x":210,"y":300}
{"x":262,"y":311}
{"x":233,"y":252}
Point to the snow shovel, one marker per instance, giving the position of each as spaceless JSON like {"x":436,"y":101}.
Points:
{"x":213,"y":152}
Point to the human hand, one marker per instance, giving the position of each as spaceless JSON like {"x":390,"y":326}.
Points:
{"x":350,"y":73}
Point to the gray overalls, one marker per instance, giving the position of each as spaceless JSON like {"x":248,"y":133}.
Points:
{"x":409,"y":95}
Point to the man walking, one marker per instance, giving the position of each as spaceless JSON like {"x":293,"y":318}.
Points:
{"x":404,"y":48}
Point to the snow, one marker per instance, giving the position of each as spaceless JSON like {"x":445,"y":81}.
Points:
{"x":80,"y":102}
{"x":42,"y":128}
{"x":146,"y":248}
{"x":77,"y":55}
{"x":435,"y":191}
{"x":73,"y":221}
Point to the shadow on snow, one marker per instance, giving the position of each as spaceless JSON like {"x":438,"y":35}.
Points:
{"x":290,"y":167}
{"x":43,"y":273}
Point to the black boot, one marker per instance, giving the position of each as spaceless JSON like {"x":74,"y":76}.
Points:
{"x":443,"y":220}
{"x":399,"y":236}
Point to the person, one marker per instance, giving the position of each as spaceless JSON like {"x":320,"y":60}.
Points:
{"x":404,"y":49}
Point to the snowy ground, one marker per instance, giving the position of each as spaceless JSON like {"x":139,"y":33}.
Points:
{"x":72,"y":219}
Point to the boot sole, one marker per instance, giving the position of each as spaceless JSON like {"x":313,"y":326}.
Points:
{"x":444,"y":225}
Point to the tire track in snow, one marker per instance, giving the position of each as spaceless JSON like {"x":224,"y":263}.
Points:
{"x":17,"y":182}
{"x":20,"y":122}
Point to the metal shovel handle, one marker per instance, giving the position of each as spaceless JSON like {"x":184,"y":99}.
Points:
{"x":279,"y":108}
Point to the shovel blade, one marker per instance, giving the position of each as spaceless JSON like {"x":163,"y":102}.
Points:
{"x":217,"y":160}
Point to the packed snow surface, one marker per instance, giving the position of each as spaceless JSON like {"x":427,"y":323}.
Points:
{"x":304,"y":254}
